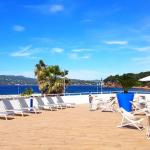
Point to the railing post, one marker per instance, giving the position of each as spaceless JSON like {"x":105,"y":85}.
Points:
{"x":31,"y":103}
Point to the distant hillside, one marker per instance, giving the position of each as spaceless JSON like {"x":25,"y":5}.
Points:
{"x":12,"y":80}
{"x":112,"y":81}
{"x":83,"y":82}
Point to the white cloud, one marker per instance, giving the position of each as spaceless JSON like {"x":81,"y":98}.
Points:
{"x":80,"y":53}
{"x":73,"y":56}
{"x":29,"y":74}
{"x":57,"y":50}
{"x":43,"y":39}
{"x":85,"y":57}
{"x":55,"y":8}
{"x":142,"y":60}
{"x":76,"y":56}
{"x":142,"y":49}
{"x":23,"y":52}
{"x":46,"y":9}
{"x":81,"y":50}
{"x":18,"y":28}
{"x":28,"y":52}
{"x":116,"y":42}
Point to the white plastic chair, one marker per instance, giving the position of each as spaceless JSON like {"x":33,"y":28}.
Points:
{"x":60,"y":101}
{"x":3,"y":113}
{"x":108,"y":106}
{"x":9,"y":108}
{"x":24,"y":106}
{"x":42,"y":105}
{"x":129,"y":119}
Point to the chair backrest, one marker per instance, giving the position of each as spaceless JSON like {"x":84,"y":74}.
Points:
{"x":2,"y":107}
{"x":50,"y":100}
{"x":127,"y":114}
{"x":113,"y":101}
{"x":148,"y":106}
{"x":40,"y":101}
{"x":22,"y":102}
{"x":8,"y":104}
{"x":142,"y":99}
{"x":59,"y":99}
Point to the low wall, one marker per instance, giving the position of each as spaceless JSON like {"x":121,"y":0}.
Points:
{"x":84,"y":99}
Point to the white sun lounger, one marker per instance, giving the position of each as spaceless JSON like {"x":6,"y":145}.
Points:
{"x":3,"y":113}
{"x":148,"y":125}
{"x":129,"y":119}
{"x":51,"y":102}
{"x":23,"y":105}
{"x":108,"y":106}
{"x":60,"y":101}
{"x":138,"y":108}
{"x":44,"y":106}
{"x":9,"y":108}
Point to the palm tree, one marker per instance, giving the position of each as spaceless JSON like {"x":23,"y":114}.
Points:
{"x":40,"y":74}
{"x":50,"y":78}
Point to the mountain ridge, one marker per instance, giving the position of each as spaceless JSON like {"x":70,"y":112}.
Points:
{"x":22,"y":80}
{"x":110,"y":81}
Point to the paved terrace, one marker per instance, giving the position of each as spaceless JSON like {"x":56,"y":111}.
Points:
{"x":70,"y":129}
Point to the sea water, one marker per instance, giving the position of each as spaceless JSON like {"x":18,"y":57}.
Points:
{"x":85,"y":89}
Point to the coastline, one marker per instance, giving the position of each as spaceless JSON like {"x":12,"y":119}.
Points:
{"x":72,"y":89}
{"x":144,"y":88}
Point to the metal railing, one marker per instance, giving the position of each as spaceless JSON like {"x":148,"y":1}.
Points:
{"x":73,"y":94}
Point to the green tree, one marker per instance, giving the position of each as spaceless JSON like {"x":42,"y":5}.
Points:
{"x":51,"y":79}
{"x":114,"y":79}
{"x":127,"y":81}
{"x":27,"y":92}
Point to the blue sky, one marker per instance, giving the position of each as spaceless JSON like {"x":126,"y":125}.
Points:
{"x":90,"y":38}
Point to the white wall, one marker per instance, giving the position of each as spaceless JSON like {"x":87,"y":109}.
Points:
{"x":84,"y":99}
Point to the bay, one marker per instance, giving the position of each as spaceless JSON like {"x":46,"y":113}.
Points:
{"x":74,"y":89}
